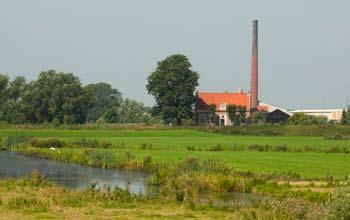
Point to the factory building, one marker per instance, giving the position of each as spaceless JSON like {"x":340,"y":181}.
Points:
{"x":248,"y":100}
{"x":221,"y":100}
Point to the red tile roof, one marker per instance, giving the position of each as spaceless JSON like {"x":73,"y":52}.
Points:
{"x":204,"y":99}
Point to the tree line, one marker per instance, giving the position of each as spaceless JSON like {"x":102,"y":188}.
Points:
{"x":61,"y":98}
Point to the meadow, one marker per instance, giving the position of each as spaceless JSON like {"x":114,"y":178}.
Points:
{"x":307,"y":156}
{"x":295,"y":177}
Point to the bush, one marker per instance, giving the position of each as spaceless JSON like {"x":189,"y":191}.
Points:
{"x":92,"y":143}
{"x":281,"y":148}
{"x":49,"y":143}
{"x":216,"y":148}
{"x":259,"y":148}
{"x":191,"y":148}
{"x":143,"y":146}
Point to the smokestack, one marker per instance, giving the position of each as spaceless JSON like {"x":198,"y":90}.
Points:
{"x":254,"y":69}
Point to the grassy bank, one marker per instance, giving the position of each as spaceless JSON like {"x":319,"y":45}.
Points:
{"x":305,"y":165}
{"x":35,"y":198}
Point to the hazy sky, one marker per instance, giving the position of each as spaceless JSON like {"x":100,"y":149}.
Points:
{"x":304,"y":45}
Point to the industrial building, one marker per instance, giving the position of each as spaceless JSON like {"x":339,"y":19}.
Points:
{"x":248,"y":100}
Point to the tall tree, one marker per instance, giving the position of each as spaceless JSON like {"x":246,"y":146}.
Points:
{"x":344,"y":118}
{"x":104,"y":97}
{"x":56,"y":97}
{"x":173,"y":85}
{"x":11,"y":107}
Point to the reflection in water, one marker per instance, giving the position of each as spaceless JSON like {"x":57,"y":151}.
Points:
{"x":70,"y":175}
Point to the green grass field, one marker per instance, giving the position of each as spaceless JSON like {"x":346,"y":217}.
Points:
{"x":177,"y":139}
{"x":171,"y":146}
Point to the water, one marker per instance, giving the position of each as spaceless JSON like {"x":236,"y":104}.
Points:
{"x":70,"y":175}
{"x":80,"y":177}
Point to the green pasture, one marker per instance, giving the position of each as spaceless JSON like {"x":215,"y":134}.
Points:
{"x":308,"y":165}
{"x":177,"y":139}
{"x":170,"y":146}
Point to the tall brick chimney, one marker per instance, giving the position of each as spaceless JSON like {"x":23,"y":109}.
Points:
{"x":254,"y":69}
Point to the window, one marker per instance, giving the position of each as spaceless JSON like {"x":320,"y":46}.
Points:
{"x":202,"y":119}
{"x":223,"y":106}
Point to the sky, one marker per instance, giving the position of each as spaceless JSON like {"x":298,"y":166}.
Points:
{"x":303,"y":45}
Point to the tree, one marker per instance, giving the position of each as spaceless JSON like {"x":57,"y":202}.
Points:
{"x":299,"y":119}
{"x":56,"y":97}
{"x":129,"y":111}
{"x":242,"y":114}
{"x":232,"y":113}
{"x":173,"y":85}
{"x":259,"y":117}
{"x":4,"y":81}
{"x":344,"y":118}
{"x":318,"y":120}
{"x":104,"y":97}
{"x":11,"y":107}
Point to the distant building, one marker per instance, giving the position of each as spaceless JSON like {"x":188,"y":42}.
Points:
{"x":277,"y":116}
{"x":330,"y":114}
{"x":249,"y":100}
{"x":221,"y":101}
{"x":270,"y":108}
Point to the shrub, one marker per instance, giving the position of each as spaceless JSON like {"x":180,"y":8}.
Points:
{"x":53,"y":142}
{"x":216,"y":148}
{"x":191,"y":148}
{"x":92,"y":143}
{"x":281,"y":148}
{"x":143,"y":146}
